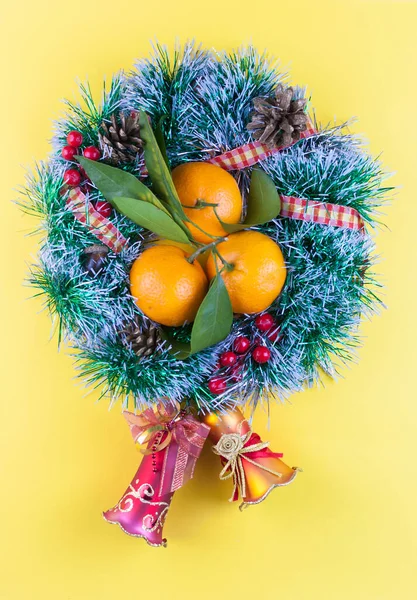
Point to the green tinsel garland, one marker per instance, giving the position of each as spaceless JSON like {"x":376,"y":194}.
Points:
{"x":206,"y":100}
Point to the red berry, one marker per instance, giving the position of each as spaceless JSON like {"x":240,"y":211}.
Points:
{"x":261,"y":354}
{"x":217,"y":385}
{"x":264,"y":322}
{"x":274,"y":334}
{"x":228,"y":359}
{"x":75,"y":138}
{"x":92,"y":153}
{"x":103,"y":208}
{"x":241,"y":344}
{"x":83,"y":173}
{"x":72,"y":177}
{"x":68,"y":152}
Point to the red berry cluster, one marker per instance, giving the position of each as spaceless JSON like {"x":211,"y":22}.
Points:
{"x":230,"y":361}
{"x":267,"y":324}
{"x":73,"y":177}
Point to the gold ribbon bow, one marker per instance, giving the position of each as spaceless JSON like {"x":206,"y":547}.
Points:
{"x":144,"y":426}
{"x":232,"y":447}
{"x":175,"y":431}
{"x":174,"y":423}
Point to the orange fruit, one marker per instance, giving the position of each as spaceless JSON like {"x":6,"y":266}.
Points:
{"x":188,"y":249}
{"x":257,"y":270}
{"x":198,"y":182}
{"x":166,"y":287}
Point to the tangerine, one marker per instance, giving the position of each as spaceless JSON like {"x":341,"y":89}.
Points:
{"x":255,"y":270}
{"x":166,"y":287}
{"x":204,"y":190}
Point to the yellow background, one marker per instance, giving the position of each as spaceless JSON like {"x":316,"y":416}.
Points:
{"x":346,"y":529}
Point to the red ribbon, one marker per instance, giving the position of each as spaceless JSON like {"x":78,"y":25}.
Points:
{"x":239,"y":158}
{"x":265,"y":453}
{"x":83,"y":210}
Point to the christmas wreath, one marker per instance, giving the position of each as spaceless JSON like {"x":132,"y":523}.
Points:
{"x":206,"y":248}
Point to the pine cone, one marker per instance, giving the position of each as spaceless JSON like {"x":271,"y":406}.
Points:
{"x":120,"y":139}
{"x":278,"y":120}
{"x":143,"y":339}
{"x":93,"y":259}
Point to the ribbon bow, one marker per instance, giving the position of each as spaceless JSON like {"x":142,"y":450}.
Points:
{"x":235,"y":447}
{"x":177,"y":432}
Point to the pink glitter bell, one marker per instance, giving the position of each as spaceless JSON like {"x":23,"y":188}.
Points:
{"x":142,"y":510}
{"x":175,"y":440}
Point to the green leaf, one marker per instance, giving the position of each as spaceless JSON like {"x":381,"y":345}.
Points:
{"x":114,"y":183}
{"x":159,"y":136}
{"x":158,"y":171}
{"x":264,"y":203}
{"x":181,"y":350}
{"x":149,"y":216}
{"x":214,"y":317}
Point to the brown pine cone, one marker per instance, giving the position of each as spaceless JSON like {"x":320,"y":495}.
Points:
{"x":120,"y":139}
{"x":93,"y":259}
{"x":278,"y":120}
{"x":143,"y":339}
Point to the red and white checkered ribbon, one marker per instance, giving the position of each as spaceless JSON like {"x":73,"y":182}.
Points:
{"x":252,"y":153}
{"x":323,"y":213}
{"x":242,"y":157}
{"x":102,"y":228}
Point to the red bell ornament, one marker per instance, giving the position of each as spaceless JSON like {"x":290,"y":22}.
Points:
{"x":174,"y":442}
{"x":142,"y":509}
{"x":254,"y":469}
